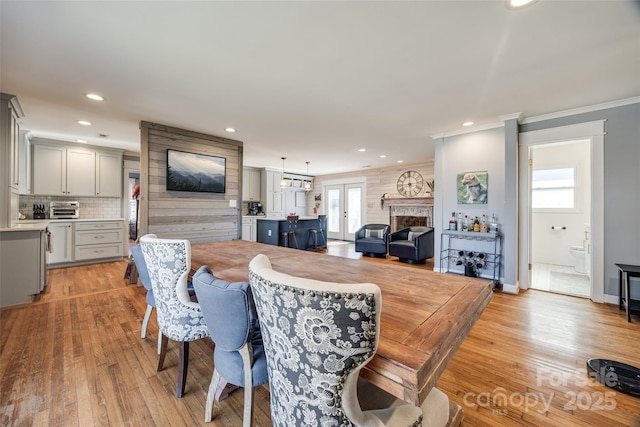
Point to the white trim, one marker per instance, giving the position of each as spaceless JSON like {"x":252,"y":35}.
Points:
{"x":512,"y":116}
{"x":611,"y":299}
{"x":594,"y":131}
{"x":581,"y":110}
{"x":510,"y":289}
{"x":471,"y":129}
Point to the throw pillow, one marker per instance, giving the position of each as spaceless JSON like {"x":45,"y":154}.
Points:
{"x":373,"y":234}
{"x":413,"y":234}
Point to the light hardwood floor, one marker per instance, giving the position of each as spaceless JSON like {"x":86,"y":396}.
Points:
{"x":75,"y":358}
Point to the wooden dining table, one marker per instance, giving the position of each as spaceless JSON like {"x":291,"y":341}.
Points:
{"x":425,"y":315}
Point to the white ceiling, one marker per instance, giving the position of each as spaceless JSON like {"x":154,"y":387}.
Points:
{"x":312,"y":81}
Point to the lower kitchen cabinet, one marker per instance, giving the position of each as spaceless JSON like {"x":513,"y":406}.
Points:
{"x":82,"y":241}
{"x":61,"y":243}
{"x":249,"y":229}
{"x":23,"y":271}
{"x":94,"y":240}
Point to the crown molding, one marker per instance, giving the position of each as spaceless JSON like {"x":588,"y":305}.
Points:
{"x":471,"y":129}
{"x":581,"y":110}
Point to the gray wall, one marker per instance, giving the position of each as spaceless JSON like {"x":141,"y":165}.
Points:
{"x":621,"y":186}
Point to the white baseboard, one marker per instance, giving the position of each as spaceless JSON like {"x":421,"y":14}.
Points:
{"x":509,"y":289}
{"x":611,"y":299}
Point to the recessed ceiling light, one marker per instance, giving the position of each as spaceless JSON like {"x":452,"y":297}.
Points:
{"x":467,"y":124}
{"x":518,"y":4}
{"x":230,"y":130}
{"x":362,"y":150}
{"x":84,"y":123}
{"x":400,"y":161}
{"x":83,"y":141}
{"x":382,"y":156}
{"x":95,"y":97}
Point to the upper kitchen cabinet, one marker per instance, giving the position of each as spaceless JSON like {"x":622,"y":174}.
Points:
{"x":62,"y":171}
{"x":66,"y":170}
{"x":24,"y":173}
{"x":271,"y":192}
{"x":251,"y":185}
{"x":10,"y":112}
{"x":108,"y":174}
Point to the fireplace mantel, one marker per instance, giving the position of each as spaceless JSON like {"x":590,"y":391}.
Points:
{"x":408,"y":201}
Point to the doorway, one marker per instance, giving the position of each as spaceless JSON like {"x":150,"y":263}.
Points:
{"x":131,"y":206}
{"x":560,"y":209}
{"x":562,"y":188}
{"x":344,"y":204}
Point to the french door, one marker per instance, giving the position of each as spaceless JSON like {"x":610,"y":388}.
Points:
{"x":344,"y":210}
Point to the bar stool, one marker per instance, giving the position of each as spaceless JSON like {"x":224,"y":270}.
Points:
{"x":315,"y":231}
{"x":292,"y":222}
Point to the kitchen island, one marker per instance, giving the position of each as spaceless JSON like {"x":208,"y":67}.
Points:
{"x":269,"y":231}
{"x":23,"y":261}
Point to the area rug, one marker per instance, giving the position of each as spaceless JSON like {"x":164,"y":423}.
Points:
{"x":569,"y":283}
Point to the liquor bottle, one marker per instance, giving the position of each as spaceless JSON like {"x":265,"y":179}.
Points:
{"x":493,"y":227}
{"x":484,"y":227}
{"x":476,"y":225}
{"x":465,"y":224}
{"x":459,"y":225}
{"x":452,"y":222}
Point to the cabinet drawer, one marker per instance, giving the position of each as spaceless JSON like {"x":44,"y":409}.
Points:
{"x":102,"y":225}
{"x":98,"y":237}
{"x":98,"y":251}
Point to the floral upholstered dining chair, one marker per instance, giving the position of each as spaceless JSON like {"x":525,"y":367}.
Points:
{"x":179,"y":319}
{"x":317,"y":336}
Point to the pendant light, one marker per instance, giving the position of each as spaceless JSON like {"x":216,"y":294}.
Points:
{"x":283,"y":182}
{"x":307,"y":184}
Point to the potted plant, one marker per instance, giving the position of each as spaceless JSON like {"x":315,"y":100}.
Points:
{"x":431,"y":184}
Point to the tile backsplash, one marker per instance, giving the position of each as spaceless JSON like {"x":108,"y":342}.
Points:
{"x":90,"y":207}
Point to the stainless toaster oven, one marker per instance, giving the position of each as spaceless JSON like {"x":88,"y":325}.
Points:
{"x":64,"y":210}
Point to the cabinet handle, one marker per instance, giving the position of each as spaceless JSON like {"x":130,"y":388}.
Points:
{"x":98,"y":237}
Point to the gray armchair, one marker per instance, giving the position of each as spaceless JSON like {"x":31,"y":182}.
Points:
{"x":412,"y":245}
{"x":372,"y":240}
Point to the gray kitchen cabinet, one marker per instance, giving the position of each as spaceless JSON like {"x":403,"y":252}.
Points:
{"x":62,"y":171}
{"x":74,"y":170}
{"x":250,"y":185}
{"x":23,"y":270}
{"x":271,"y":193}
{"x":10,"y":112}
{"x":24,"y":173}
{"x":98,"y":239}
{"x":62,"y":243}
{"x":108,"y":174}
{"x":249,"y":229}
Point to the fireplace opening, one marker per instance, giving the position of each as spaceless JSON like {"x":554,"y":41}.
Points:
{"x":400,"y":222}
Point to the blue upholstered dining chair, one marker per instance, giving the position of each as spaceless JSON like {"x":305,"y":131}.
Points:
{"x":143,"y":275}
{"x":238,"y":354}
{"x":179,"y":319}
{"x":317,"y":337}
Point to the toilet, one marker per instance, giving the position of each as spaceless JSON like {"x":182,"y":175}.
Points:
{"x":579,"y":256}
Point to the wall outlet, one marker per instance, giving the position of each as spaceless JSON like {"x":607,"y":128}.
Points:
{"x":269,"y":233}
{"x":232,"y":203}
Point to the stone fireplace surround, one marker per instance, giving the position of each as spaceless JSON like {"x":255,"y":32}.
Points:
{"x":409,"y":211}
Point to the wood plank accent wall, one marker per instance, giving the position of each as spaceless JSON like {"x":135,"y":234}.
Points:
{"x":199,"y":217}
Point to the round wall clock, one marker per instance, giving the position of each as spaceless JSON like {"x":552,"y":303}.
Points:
{"x":410,"y":184}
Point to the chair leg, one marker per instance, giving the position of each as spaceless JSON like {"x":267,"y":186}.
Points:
{"x":246,"y":353}
{"x":159,"y":341}
{"x":163,"y":351}
{"x":145,"y":322}
{"x":213,"y":386}
{"x":183,"y":364}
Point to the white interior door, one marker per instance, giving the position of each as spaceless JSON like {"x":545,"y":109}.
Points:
{"x":344,"y":210}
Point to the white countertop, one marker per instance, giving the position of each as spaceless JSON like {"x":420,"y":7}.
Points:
{"x":284,"y":218}
{"x":41,"y":224}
